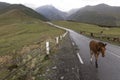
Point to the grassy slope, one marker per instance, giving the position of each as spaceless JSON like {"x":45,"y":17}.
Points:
{"x":27,"y":11}
{"x":111,"y":32}
{"x":17,"y":33}
{"x":21,"y":28}
{"x":14,"y":35}
{"x":88,"y":27}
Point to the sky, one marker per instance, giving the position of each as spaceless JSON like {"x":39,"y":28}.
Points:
{"x":64,"y":5}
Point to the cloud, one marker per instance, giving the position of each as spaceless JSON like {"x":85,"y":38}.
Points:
{"x":64,"y":5}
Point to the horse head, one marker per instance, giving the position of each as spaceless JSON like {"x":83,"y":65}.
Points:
{"x":102,"y":48}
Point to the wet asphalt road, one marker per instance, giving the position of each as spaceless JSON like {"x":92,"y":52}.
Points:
{"x":109,"y":66}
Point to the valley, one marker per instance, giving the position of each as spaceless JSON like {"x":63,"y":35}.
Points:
{"x":26,"y":34}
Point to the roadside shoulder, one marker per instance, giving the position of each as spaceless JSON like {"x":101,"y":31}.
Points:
{"x":65,"y":62}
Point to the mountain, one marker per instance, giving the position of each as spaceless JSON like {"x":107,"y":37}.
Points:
{"x":72,"y":11}
{"x":3,"y":5}
{"x":51,"y":12}
{"x":102,"y":14}
{"x":11,"y":11}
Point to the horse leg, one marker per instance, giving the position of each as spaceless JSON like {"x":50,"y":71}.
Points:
{"x":96,"y":61}
{"x":91,"y":56}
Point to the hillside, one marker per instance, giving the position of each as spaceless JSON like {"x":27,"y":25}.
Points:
{"x":3,"y":5}
{"x":51,"y":12}
{"x":72,"y":11}
{"x":19,"y":11}
{"x":101,"y":14}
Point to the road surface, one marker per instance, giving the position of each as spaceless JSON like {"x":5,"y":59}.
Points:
{"x":109,"y":66}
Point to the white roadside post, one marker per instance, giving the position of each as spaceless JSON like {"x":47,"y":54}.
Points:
{"x":47,"y":48}
{"x":60,"y":37}
{"x":65,"y":34}
{"x":57,"y":40}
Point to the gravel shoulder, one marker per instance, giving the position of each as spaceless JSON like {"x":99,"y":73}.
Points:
{"x":65,"y":62}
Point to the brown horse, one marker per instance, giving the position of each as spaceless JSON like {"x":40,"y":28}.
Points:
{"x":95,"y":49}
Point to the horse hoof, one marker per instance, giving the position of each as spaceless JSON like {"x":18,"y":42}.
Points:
{"x":96,"y":66}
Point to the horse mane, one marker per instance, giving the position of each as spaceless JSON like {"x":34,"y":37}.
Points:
{"x":101,"y":44}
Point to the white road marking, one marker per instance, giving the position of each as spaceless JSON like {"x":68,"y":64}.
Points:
{"x":80,"y":58}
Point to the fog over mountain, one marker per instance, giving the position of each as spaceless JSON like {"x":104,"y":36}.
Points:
{"x":102,"y":14}
{"x":51,"y":12}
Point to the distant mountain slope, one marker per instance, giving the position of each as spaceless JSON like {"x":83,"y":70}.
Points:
{"x":101,"y":14}
{"x":51,"y":12}
{"x":3,"y":5}
{"x":20,"y":11}
{"x":14,"y":14}
{"x":72,"y":11}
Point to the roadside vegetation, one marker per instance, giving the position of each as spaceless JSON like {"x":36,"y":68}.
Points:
{"x":14,"y":36}
{"x":111,"y":35}
{"x":22,"y":47}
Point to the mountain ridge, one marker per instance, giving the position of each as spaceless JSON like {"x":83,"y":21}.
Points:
{"x":19,"y":8}
{"x":101,"y":14}
{"x":51,"y":12}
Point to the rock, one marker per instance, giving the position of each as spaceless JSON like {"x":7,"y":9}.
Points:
{"x":54,"y":67}
{"x":62,"y":77}
{"x":48,"y":70}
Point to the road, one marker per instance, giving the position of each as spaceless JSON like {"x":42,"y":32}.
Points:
{"x":109,"y":66}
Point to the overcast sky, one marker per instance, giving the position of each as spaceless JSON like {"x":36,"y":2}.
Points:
{"x":63,"y":5}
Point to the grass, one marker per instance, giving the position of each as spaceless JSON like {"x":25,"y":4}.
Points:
{"x":89,"y":28}
{"x":22,"y":39}
{"x":17,"y":34}
{"x":14,"y":35}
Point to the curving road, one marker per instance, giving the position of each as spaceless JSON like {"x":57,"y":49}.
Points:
{"x":109,"y":66}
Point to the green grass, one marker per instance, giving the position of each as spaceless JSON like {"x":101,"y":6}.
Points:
{"x":21,"y":29}
{"x":14,"y":35}
{"x":89,"y":28}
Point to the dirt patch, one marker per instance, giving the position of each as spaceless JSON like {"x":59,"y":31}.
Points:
{"x":5,"y":59}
